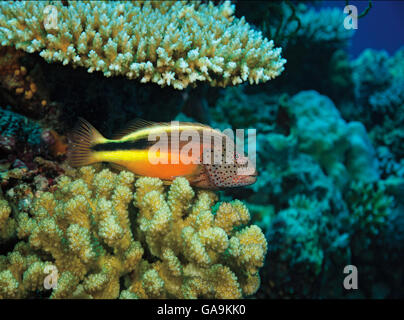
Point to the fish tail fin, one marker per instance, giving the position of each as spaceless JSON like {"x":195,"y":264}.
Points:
{"x":82,"y":138}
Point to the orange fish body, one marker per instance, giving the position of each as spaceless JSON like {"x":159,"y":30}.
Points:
{"x":156,"y":150}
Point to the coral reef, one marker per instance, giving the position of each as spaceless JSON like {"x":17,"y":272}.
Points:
{"x":379,"y":97}
{"x":324,"y":27}
{"x":310,"y":38}
{"x":20,"y":86}
{"x":369,"y":206}
{"x":20,"y":139}
{"x":13,"y":124}
{"x":238,"y":109}
{"x":168,"y":244}
{"x":298,"y":23}
{"x":196,"y":245}
{"x":307,"y":123}
{"x":341,"y":148}
{"x":168,"y":43}
{"x":329,"y":156}
{"x":294,"y":237}
{"x":319,"y":197}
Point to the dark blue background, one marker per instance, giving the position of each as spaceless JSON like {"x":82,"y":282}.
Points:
{"x":381,"y":28}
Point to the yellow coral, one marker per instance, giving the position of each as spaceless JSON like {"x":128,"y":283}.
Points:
{"x":85,"y":228}
{"x":174,"y":43}
{"x":85,"y":225}
{"x":193,"y":243}
{"x":7,"y":224}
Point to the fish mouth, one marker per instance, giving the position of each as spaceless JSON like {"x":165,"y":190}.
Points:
{"x":250,"y":179}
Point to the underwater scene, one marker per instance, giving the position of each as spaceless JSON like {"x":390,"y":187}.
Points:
{"x":201,"y":149}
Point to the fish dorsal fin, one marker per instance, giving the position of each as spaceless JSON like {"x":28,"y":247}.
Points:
{"x":183,"y":123}
{"x":137,"y":124}
{"x":134,"y":125}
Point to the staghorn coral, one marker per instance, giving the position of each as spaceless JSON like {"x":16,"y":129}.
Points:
{"x":169,"y":244}
{"x":168,"y":43}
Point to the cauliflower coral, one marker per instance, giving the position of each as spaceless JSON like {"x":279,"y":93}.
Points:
{"x":104,"y":241}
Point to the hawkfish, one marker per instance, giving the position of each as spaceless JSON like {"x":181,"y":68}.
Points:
{"x":206,"y":157}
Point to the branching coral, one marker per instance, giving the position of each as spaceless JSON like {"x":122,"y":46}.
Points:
{"x":203,"y":254}
{"x":87,"y":229}
{"x":168,"y":43}
{"x":7,"y":224}
{"x":369,"y":206}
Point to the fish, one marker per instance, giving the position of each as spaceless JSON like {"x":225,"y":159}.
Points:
{"x":206,"y":157}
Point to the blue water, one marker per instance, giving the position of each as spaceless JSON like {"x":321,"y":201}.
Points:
{"x":381,"y":28}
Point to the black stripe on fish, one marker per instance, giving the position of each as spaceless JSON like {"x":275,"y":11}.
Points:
{"x":124,"y":145}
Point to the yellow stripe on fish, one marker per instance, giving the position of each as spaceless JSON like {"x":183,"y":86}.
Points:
{"x":135,"y":150}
